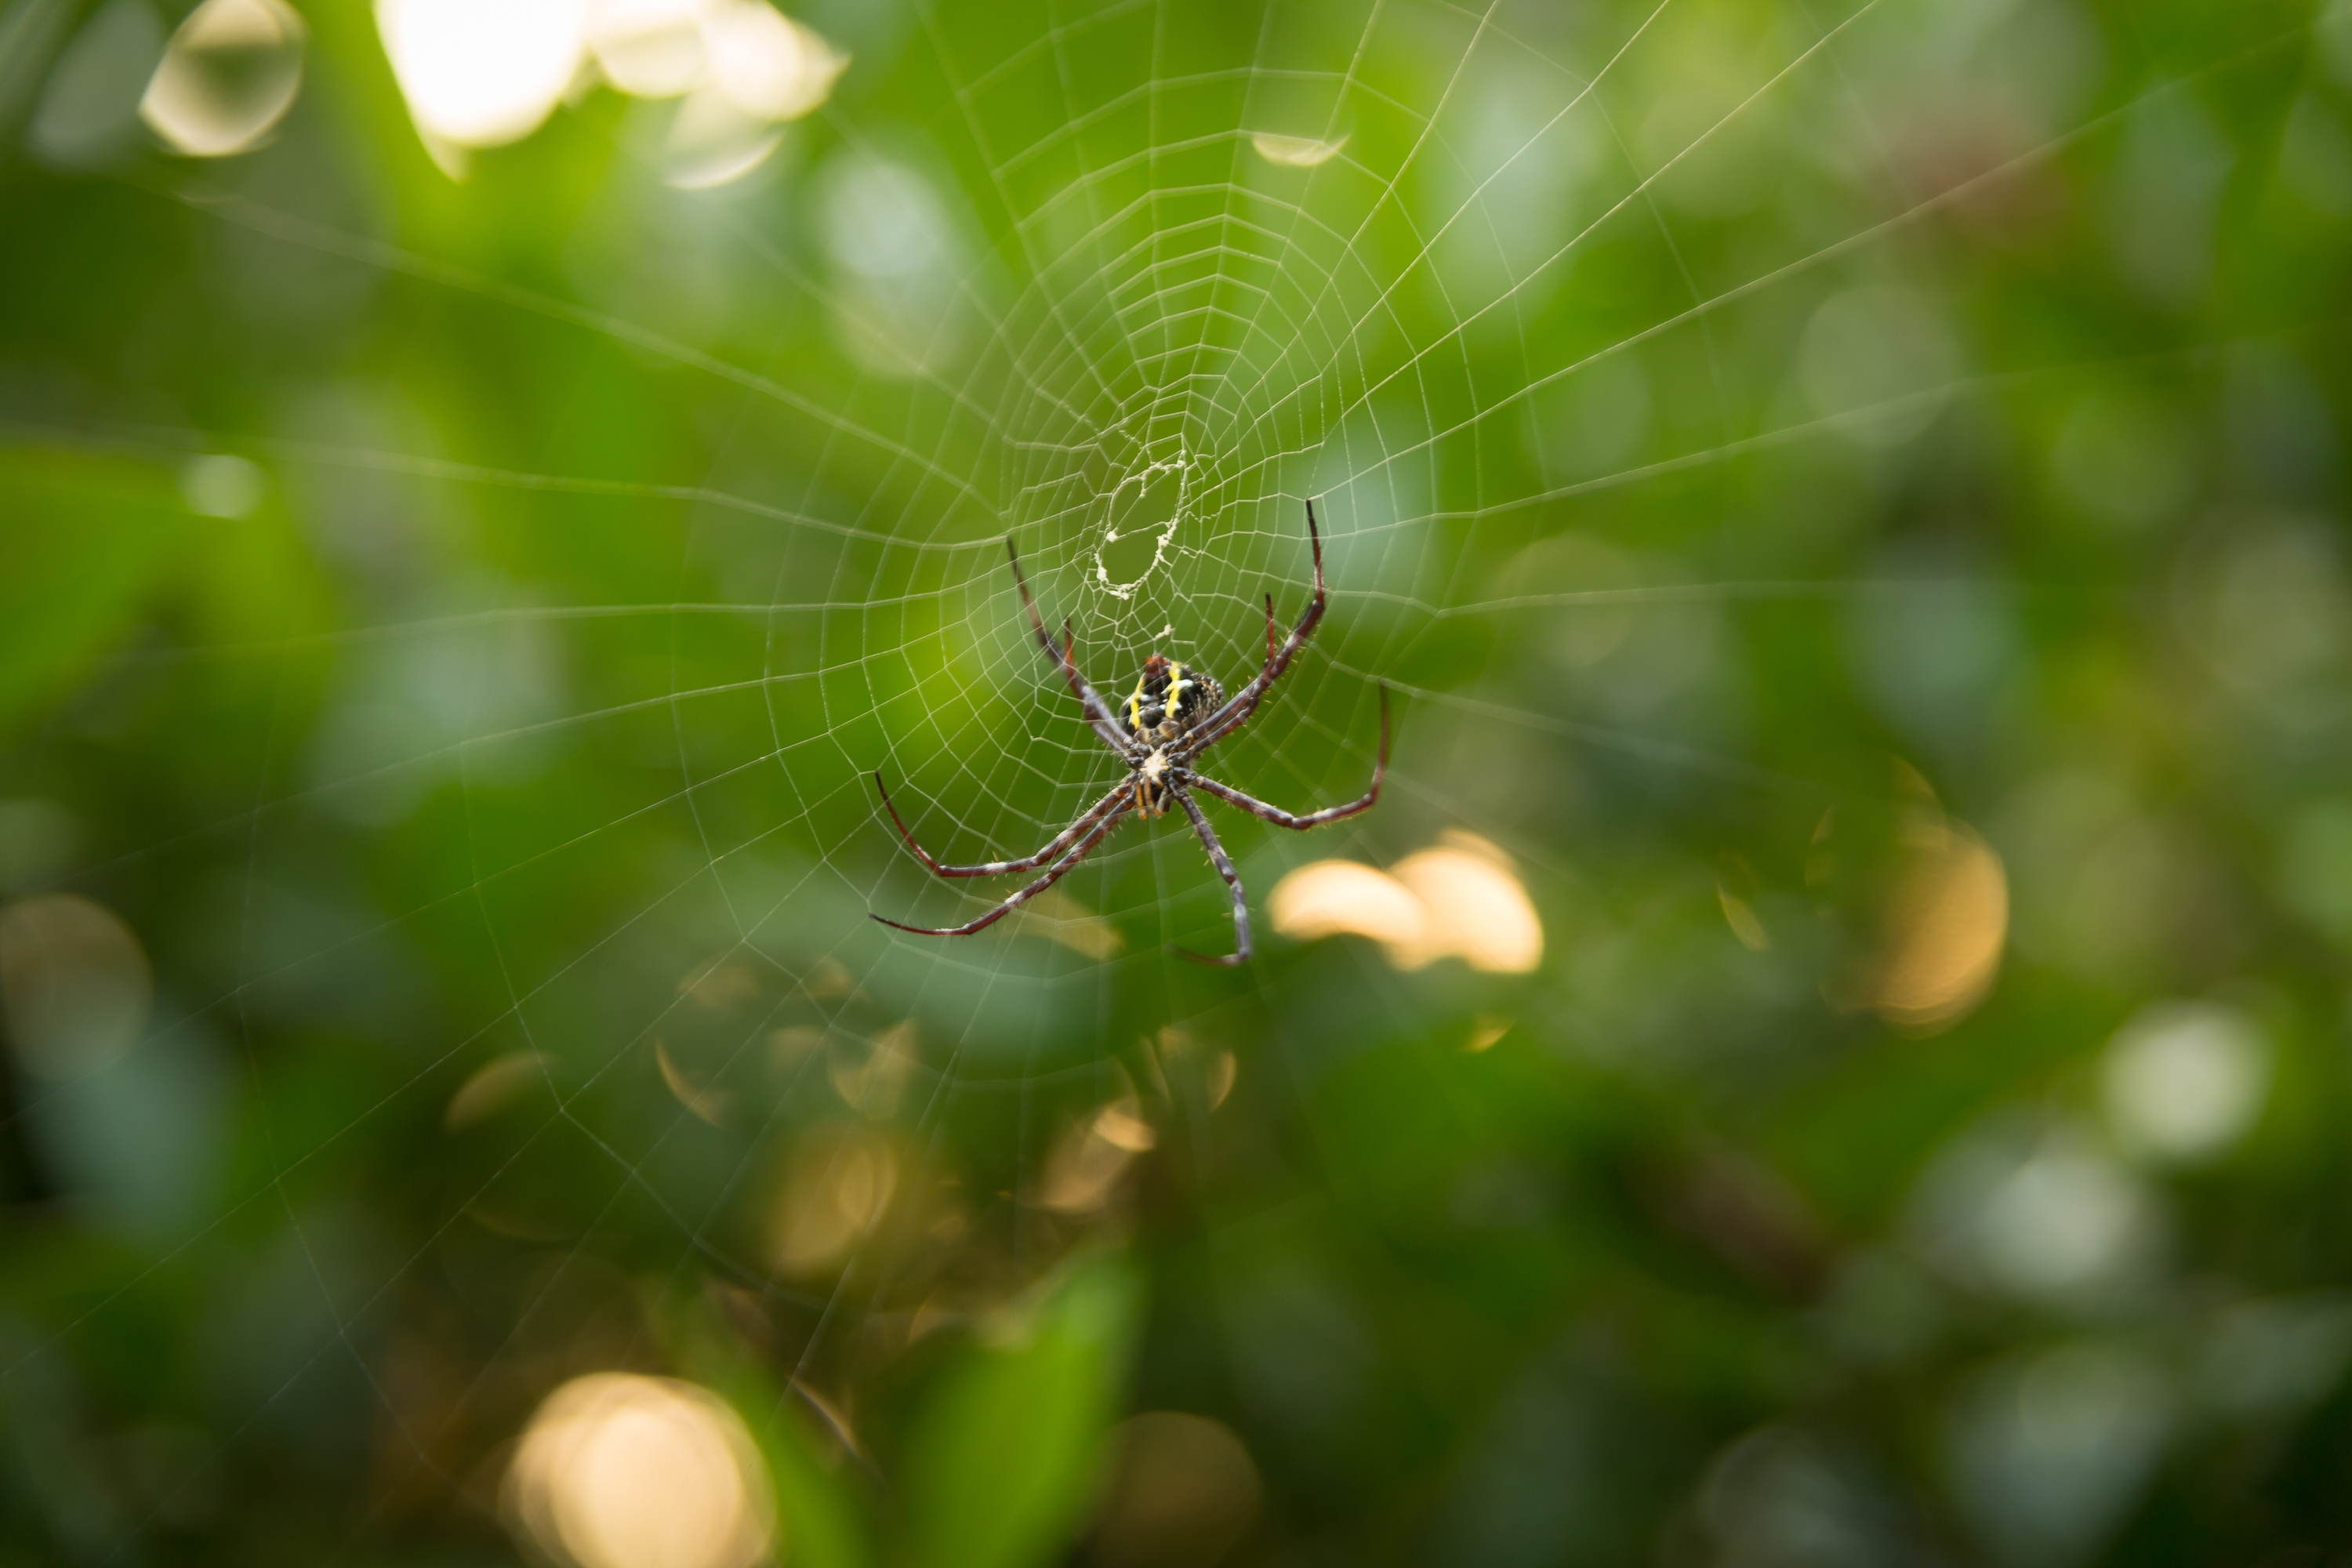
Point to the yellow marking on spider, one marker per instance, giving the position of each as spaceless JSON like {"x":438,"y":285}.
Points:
{"x":1179,"y":681}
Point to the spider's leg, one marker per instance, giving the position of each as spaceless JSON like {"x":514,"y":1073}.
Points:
{"x":1099,"y":713}
{"x":1282,"y":819}
{"x":1224,"y":865}
{"x":1022,"y":896}
{"x":1239,"y":707}
{"x":1052,"y":852}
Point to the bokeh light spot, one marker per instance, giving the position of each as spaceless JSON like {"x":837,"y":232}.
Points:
{"x":899,"y":259}
{"x":2048,"y":1453}
{"x":1740,"y":915}
{"x":477,"y":73}
{"x":1224,"y":1070}
{"x":870,"y":1075}
{"x":1056,"y":916}
{"x":1880,"y":360}
{"x":228,"y":75}
{"x":2276,"y":1356}
{"x":1183,"y":1490}
{"x":712,"y":142}
{"x":74,"y":983}
{"x":1084,"y":1170}
{"x":495,"y":1086}
{"x":1328,"y":897}
{"x":650,"y":49}
{"x":2184,"y":1080}
{"x":1458,"y":900}
{"x":766,"y":64}
{"x":1473,"y":908}
{"x":218,"y":484}
{"x":1941,"y":942}
{"x":1295,"y":151}
{"x":741,"y":69}
{"x":2041,"y":1213}
{"x":619,"y":1471}
{"x":835,"y":1192}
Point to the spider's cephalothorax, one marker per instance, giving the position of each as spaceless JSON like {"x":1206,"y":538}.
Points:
{"x":1169,"y":700}
{"x":1175,"y":714}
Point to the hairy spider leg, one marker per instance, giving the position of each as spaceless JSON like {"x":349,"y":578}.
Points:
{"x":1052,"y":852}
{"x":1099,"y":713}
{"x":1282,"y":819}
{"x":1224,"y":865}
{"x":1068,"y":865}
{"x":1239,"y":707}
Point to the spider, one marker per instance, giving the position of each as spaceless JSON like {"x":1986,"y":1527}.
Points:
{"x":1175,"y":713}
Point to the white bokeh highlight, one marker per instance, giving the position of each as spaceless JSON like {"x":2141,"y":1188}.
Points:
{"x":228,"y":75}
{"x":479,"y":73}
{"x":2184,"y":1082}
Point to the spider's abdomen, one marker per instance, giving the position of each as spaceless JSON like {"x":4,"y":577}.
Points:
{"x":1169,"y":700}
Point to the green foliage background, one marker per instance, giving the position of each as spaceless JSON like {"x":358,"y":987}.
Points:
{"x":1953,"y":437}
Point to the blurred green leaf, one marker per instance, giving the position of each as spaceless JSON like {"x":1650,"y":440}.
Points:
{"x":87,"y":540}
{"x":819,"y":1525}
{"x":1004,"y":1454}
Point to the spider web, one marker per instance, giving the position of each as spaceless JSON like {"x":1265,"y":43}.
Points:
{"x":1127,"y":286}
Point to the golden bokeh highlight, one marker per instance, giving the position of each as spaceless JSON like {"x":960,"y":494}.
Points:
{"x":1216,"y":1072}
{"x":74,"y":984}
{"x":871,"y":1075}
{"x":1223,"y":1069}
{"x":720,"y":985}
{"x":1183,"y":1491}
{"x":1327,"y":897}
{"x":1057,"y":917}
{"x":1083,"y":1173}
{"x":836,"y":1190}
{"x":1473,"y":906}
{"x":710,"y":1104}
{"x":1941,"y":938}
{"x":1460,"y":898}
{"x":1484,"y":1031}
{"x":620,"y":1470}
{"x":792,"y":1045}
{"x":494,"y":1086}
{"x":1741,"y":916}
